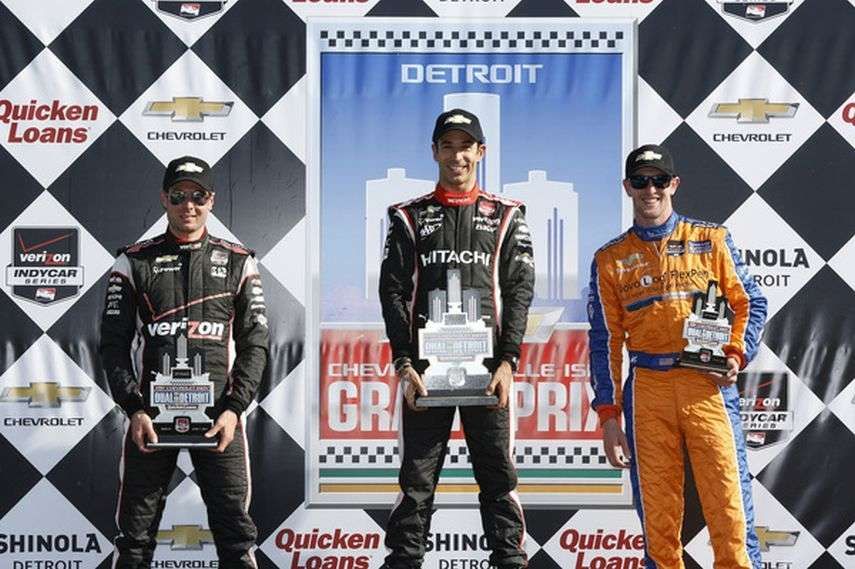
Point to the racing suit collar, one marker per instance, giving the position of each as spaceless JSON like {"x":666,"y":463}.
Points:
{"x":451,"y":198}
{"x":183,"y":244}
{"x":658,"y":232}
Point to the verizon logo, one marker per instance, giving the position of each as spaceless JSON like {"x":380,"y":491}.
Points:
{"x":199,"y":330}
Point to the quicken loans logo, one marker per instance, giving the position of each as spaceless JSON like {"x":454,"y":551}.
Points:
{"x":26,"y":121}
{"x":333,"y":550}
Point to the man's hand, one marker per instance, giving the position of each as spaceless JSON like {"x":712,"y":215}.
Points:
{"x":225,"y":426}
{"x":501,"y":384}
{"x":728,"y":378}
{"x":615,"y":444}
{"x":413,"y":384}
{"x":142,"y":431}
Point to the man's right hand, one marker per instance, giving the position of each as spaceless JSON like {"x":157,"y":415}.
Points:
{"x":413,"y":384}
{"x":142,"y":431}
{"x":615,"y":444}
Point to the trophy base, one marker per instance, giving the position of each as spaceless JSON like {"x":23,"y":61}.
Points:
{"x":456,"y":398}
{"x":703,"y":360}
{"x":193,"y":437}
{"x":177,"y":441}
{"x":183,"y":441}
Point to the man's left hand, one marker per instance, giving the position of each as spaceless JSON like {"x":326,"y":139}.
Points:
{"x":501,"y":384}
{"x":225,"y":425}
{"x":729,"y":377}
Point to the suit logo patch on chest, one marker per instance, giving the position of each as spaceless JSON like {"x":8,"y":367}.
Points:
{"x":488,"y":224}
{"x":430,"y":220}
{"x":445,"y":256}
{"x":632,"y":262}
{"x":219,"y":257}
{"x":429,"y":229}
{"x":675,"y":248}
{"x":159,"y":268}
{"x":700,"y":247}
{"x":487,"y":208}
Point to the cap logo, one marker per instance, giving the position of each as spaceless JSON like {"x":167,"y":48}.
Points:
{"x":647,"y":156}
{"x":189,"y":167}
{"x":458,"y":119}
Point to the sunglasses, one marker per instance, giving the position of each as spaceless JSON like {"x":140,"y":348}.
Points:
{"x":660,"y":181}
{"x":199,"y":197}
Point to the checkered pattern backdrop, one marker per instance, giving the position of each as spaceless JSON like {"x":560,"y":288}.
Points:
{"x":81,"y":155}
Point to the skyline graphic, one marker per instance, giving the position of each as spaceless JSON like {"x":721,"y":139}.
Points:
{"x":553,"y":142}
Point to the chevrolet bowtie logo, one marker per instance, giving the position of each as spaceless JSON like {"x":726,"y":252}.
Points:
{"x":541,"y":324}
{"x":44,"y":394}
{"x":647,"y":156}
{"x":185,"y":537}
{"x":188,"y":109}
{"x":768,"y":537}
{"x":458,"y":119}
{"x":754,"y":110}
{"x":186,"y":167}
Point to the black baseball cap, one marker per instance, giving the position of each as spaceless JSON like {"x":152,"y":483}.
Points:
{"x":188,"y":168}
{"x":652,"y":156}
{"x":458,"y":119}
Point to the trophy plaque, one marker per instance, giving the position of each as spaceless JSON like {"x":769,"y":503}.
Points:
{"x":181,"y":394}
{"x":455,"y":343}
{"x":706,"y":330}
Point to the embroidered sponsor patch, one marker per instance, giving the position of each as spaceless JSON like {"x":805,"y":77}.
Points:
{"x":219,"y":257}
{"x":700,"y":247}
{"x":429,"y":229}
{"x":675,"y":248}
{"x":486,"y":207}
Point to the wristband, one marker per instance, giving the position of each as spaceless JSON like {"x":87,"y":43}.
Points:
{"x":401,"y":363}
{"x":513,"y":360}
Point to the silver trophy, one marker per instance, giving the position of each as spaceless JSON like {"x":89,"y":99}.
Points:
{"x":706,"y":330}
{"x":455,"y":342}
{"x":181,"y":394}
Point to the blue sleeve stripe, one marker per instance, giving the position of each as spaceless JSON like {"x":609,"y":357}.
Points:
{"x":639,"y":304}
{"x":599,"y":345}
{"x":756,"y":302}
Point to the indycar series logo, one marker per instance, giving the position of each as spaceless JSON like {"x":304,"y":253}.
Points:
{"x":765,"y":408}
{"x":190,"y":10}
{"x":45,"y":264}
{"x":755,"y":11}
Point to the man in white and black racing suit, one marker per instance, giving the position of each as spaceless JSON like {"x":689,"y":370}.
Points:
{"x":185,"y":285}
{"x":457,"y":226}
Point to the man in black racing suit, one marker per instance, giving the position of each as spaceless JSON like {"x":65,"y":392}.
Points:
{"x":486,"y":237}
{"x":188,"y":286}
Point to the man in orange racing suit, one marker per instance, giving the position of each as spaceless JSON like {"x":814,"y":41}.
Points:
{"x":642,"y":286}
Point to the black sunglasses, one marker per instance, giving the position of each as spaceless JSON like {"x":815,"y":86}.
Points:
{"x":660,"y":181}
{"x":199,"y":197}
